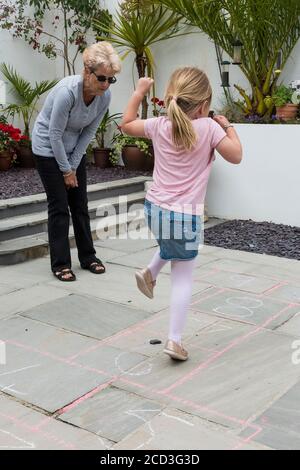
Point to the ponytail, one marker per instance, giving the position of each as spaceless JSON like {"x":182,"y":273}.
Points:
{"x":183,"y":132}
{"x":187,"y":90}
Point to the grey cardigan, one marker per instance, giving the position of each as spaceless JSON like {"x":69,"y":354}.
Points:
{"x":66,"y":125}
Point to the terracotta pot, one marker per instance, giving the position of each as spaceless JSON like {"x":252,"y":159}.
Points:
{"x":287,"y":112}
{"x":133,"y":157}
{"x":25,"y":157}
{"x":5,"y":160}
{"x":101,"y":157}
{"x":149,"y":160}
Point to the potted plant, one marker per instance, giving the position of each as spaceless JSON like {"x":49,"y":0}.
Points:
{"x":9,"y":137}
{"x":28,"y":97}
{"x":159,"y":108}
{"x":102,"y":153}
{"x":24,"y":152}
{"x":132,"y":149}
{"x":251,"y":23}
{"x":286,"y":101}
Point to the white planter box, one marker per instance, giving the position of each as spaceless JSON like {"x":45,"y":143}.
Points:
{"x":266,"y":185}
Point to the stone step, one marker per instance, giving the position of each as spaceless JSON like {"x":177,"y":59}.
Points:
{"x":25,"y":248}
{"x":31,"y":224}
{"x":37,"y":203}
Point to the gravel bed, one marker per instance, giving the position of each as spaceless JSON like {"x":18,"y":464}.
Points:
{"x":19,"y":182}
{"x":257,"y":237}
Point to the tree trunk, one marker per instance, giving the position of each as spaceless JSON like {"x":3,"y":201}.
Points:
{"x":141,"y":63}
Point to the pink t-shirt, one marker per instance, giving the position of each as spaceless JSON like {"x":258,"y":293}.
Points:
{"x":180,"y":177}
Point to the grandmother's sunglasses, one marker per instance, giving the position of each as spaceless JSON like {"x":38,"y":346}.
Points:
{"x":103,"y":78}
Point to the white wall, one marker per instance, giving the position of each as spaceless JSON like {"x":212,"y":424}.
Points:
{"x":266,"y":185}
{"x":30,"y":64}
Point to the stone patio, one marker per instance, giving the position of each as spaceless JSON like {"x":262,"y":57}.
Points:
{"x":77,"y":370}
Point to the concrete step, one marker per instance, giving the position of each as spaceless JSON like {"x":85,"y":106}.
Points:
{"x":37,"y":203}
{"x":25,"y":248}
{"x":31,"y":224}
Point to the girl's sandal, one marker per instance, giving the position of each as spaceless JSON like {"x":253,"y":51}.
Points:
{"x":145,"y":282}
{"x":61,"y":275}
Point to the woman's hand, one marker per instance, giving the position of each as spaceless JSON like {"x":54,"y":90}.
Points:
{"x":71,"y":180}
{"x":144,"y":85}
{"x":222,"y":120}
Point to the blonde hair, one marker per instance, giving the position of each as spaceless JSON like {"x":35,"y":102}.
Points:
{"x":101,"y":53}
{"x":187,"y":90}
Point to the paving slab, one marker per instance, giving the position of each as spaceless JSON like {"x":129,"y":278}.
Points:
{"x":240,"y":380}
{"x":118,"y":285}
{"x":37,"y":336}
{"x":113,"y":413}
{"x":287,"y":293}
{"x":138,"y":339}
{"x":175,"y":430}
{"x":281,"y":422}
{"x":25,"y":299}
{"x":219,"y":335}
{"x":50,"y":380}
{"x":290,"y":273}
{"x":259,"y":258}
{"x":130,"y":242}
{"x":246,"y":307}
{"x":143,"y":258}
{"x":87,"y":316}
{"x":227,"y":386}
{"x":22,"y":428}
{"x":107,"y":254}
{"x":6,"y":289}
{"x":256,"y":285}
{"x":291,"y":327}
{"x":231,"y":265}
{"x":26,"y":274}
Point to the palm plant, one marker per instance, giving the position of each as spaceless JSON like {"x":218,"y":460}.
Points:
{"x":266,"y":28}
{"x":27,"y":95}
{"x":136,"y":27}
{"x":107,"y":120}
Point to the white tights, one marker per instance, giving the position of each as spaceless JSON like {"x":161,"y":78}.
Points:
{"x":181,"y":292}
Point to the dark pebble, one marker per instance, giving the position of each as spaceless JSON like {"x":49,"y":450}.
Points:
{"x":155,"y":341}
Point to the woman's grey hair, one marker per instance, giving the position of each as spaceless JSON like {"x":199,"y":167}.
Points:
{"x":101,"y":53}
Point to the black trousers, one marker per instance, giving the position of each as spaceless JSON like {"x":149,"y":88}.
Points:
{"x":60,"y":200}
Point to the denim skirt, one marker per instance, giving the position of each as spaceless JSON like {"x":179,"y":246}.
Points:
{"x":178,"y":235}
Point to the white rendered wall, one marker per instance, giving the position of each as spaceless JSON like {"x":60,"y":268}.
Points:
{"x":266,"y":185}
{"x":28,"y":63}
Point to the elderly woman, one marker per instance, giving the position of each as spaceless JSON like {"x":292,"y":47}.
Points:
{"x":62,"y":132}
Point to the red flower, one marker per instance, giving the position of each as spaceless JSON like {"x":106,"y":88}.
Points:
{"x":155,"y":100}
{"x":9,"y":136}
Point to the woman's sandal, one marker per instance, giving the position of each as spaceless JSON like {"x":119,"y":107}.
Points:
{"x":96,"y":267}
{"x":61,"y":275}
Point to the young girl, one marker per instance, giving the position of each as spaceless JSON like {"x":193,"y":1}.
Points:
{"x":184,"y":144}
